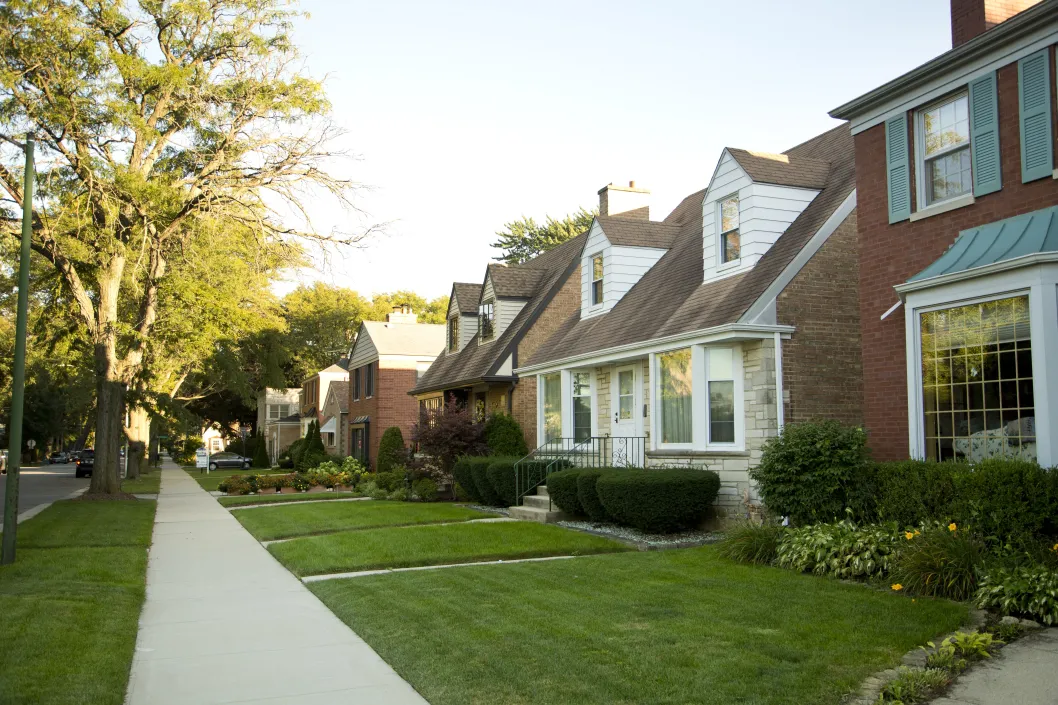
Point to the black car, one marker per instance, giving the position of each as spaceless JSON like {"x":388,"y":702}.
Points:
{"x":85,"y":463}
{"x":229,"y":460}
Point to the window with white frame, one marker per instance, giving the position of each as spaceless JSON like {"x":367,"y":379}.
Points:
{"x":674,"y":396}
{"x":552,"y":407}
{"x":278,"y":411}
{"x":626,"y":395}
{"x":730,"y":242}
{"x":581,"y":406}
{"x":486,"y":321}
{"x":943,"y":131}
{"x":721,"y":390}
{"x":596,"y":279}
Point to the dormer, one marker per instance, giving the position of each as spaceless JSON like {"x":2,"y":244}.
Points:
{"x":752,"y":198}
{"x":462,"y":316}
{"x":503,"y":295}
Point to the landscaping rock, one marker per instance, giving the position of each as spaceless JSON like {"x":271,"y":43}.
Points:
{"x":1029,"y":624}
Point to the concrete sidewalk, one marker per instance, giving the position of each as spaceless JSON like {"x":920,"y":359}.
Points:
{"x":225,"y":623}
{"x":1023,"y":673}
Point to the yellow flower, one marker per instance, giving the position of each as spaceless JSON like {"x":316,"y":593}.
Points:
{"x":917,"y":532}
{"x":1055,"y":548}
{"x":897,"y":586}
{"x":909,"y":535}
{"x":951,"y":526}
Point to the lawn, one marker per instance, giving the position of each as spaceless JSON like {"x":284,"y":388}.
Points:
{"x":210,"y":481}
{"x":307,"y":519}
{"x":655,"y":627}
{"x":369,"y":549}
{"x":147,"y":483}
{"x":239,"y":501}
{"x":71,"y":603}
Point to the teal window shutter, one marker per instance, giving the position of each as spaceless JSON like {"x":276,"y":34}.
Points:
{"x":984,"y":135}
{"x":1034,"y":101}
{"x":896,"y":167}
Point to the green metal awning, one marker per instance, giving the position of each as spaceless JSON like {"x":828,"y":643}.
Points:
{"x":1025,"y":235}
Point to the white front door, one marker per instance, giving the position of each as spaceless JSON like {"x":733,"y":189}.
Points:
{"x":626,"y":401}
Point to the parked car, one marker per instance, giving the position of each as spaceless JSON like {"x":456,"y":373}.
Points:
{"x":229,"y":460}
{"x":58,"y":457}
{"x":85,"y":462}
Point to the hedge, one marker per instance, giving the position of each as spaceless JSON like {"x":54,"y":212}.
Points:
{"x":589,"y":497}
{"x":658,"y":501}
{"x":391,"y":450}
{"x":562,"y":487}
{"x":504,"y":436}
{"x":489,"y":495}
{"x":464,"y":475}
{"x":502,"y":478}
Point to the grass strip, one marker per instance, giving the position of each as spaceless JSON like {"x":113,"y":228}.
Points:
{"x":370,"y":549}
{"x":243,"y":500}
{"x":147,"y":483}
{"x":210,"y":481}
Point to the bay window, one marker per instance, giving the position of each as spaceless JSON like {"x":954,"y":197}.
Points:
{"x":674,"y":396}
{"x":552,"y":396}
{"x":721,"y":395}
{"x":581,"y":406}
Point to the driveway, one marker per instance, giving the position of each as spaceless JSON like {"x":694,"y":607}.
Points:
{"x":42,"y":485}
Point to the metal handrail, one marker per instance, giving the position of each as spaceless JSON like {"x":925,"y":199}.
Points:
{"x":560,"y":453}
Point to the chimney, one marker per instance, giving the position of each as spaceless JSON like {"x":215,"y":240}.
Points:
{"x":970,"y":18}
{"x":402,"y":314}
{"x":625,"y":201}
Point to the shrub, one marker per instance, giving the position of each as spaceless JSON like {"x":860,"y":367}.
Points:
{"x":938,"y":562}
{"x":747,"y":542}
{"x":911,"y":492}
{"x":812,"y":471}
{"x":588,"y":496}
{"x":658,"y":501}
{"x":504,"y":436}
{"x":398,"y":495}
{"x":480,"y":474}
{"x":841,"y":549}
{"x":390,"y":481}
{"x":502,"y":478}
{"x":914,"y":685}
{"x":1005,"y":501}
{"x":391,"y":450}
{"x":449,"y":433}
{"x":1025,"y":591}
{"x":295,"y":450}
{"x":236,"y":484}
{"x":300,"y":482}
{"x":265,"y":482}
{"x":260,"y":456}
{"x":425,"y":489}
{"x":463,"y":473}
{"x":562,"y":487}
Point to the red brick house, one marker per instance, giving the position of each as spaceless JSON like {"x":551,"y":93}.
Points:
{"x":958,"y":230}
{"x":385,"y":362}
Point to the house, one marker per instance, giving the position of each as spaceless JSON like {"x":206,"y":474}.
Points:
{"x":335,"y":424}
{"x":314,"y":393}
{"x":385,"y":362}
{"x":958,"y":228}
{"x":278,"y":420}
{"x":698,"y":336}
{"x":213,"y":438}
{"x":495,"y":324}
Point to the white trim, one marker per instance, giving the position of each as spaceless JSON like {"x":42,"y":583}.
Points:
{"x":636,"y":368}
{"x":891,"y":310}
{"x":655,"y":417}
{"x":919,"y":132}
{"x":780,"y":403}
{"x":966,"y":199}
{"x":721,"y":263}
{"x":977,"y":272}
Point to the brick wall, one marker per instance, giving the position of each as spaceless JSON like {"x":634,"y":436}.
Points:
{"x":394,"y":406}
{"x":366,"y":407}
{"x":972,"y":17}
{"x":890,"y":254}
{"x":822,"y":370}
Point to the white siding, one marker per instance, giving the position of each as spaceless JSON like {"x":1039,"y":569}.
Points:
{"x":623,"y":267}
{"x":596,"y":243}
{"x":453,"y":307}
{"x":504,"y":310}
{"x":468,"y":328}
{"x":363,"y":352}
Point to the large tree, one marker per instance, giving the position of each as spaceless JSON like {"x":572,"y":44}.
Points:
{"x":156,"y":121}
{"x":523,"y":239}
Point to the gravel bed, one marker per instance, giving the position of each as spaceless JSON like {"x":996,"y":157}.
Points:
{"x":645,"y":542}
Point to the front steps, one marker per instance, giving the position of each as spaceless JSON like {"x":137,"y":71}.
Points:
{"x":537,"y":507}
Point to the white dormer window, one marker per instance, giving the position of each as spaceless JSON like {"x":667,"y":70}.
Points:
{"x":486,"y":320}
{"x":596,"y":279}
{"x":730,"y":242}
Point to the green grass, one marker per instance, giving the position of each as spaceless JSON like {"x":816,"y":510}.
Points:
{"x":655,"y":627}
{"x":149,"y":482}
{"x":71,"y":603}
{"x":238,"y":501}
{"x":434,"y":545}
{"x":307,"y":519}
{"x":210,"y":481}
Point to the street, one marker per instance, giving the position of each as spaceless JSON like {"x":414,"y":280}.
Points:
{"x":44,"y":484}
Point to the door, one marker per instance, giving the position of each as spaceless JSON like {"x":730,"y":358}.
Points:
{"x":627,"y":421}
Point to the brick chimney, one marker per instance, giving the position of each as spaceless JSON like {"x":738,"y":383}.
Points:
{"x":402,"y":314}
{"x":970,"y":18}
{"x":625,"y":201}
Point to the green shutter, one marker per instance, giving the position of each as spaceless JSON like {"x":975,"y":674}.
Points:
{"x":896,"y":167}
{"x":1034,"y":100}
{"x":984,"y":135}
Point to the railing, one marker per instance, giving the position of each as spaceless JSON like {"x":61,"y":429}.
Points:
{"x":561,"y":453}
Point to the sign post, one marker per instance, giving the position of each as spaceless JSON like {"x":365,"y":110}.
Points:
{"x":202,"y":460}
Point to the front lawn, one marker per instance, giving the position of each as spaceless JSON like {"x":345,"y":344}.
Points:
{"x":242,"y":500}
{"x":657,"y":627}
{"x":149,"y":482}
{"x":71,"y":602}
{"x":210,"y":481}
{"x":307,"y":519}
{"x":369,"y":549}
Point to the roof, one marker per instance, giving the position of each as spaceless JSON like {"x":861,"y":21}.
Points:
{"x":340,"y":390}
{"x":413,"y":339}
{"x":671,"y":297}
{"x":1021,"y":236}
{"x":343,"y":363}
{"x":475,"y":363}
{"x":468,"y":296}
{"x":515,"y":282}
{"x":635,"y":232}
{"x":782,"y":169}
{"x":293,"y":418}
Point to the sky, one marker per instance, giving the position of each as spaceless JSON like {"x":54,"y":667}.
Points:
{"x":463,"y":116}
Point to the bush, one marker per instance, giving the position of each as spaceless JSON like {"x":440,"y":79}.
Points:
{"x":309,"y":459}
{"x":752,"y":543}
{"x":914,"y":685}
{"x":425,"y":489}
{"x":658,"y":501}
{"x":588,"y":496}
{"x":502,"y":478}
{"x":504,"y":436}
{"x":448,"y":434}
{"x":1006,"y":501}
{"x":911,"y":492}
{"x":480,"y":475}
{"x":938,"y":562}
{"x":841,"y":549}
{"x":812,"y":471}
{"x":390,"y":481}
{"x":464,"y":475}
{"x":562,"y":487}
{"x":295,"y":450}
{"x":391,"y":450}
{"x":1023,"y":591}
{"x":260,"y":456}
{"x":235,"y":484}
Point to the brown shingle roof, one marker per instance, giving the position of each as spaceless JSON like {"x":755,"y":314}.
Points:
{"x":633,"y":232}
{"x":467,"y":296}
{"x":341,"y":393}
{"x":518,"y":282}
{"x":782,"y":169}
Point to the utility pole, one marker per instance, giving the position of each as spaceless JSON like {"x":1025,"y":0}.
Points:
{"x":18,"y":374}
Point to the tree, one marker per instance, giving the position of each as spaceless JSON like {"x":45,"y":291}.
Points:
{"x":260,"y":455}
{"x":391,"y":450}
{"x":523,"y":239}
{"x":156,"y":123}
{"x":428,"y":311}
{"x":320,"y":321}
{"x":448,"y":433}
{"x":504,"y":436}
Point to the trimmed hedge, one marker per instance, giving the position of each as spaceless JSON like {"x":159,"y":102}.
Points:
{"x":658,"y":501}
{"x":464,"y":475}
{"x":589,"y":497}
{"x":501,"y":476}
{"x":391,"y":451}
{"x":489,"y":495}
{"x":504,"y":436}
{"x":562,"y":487}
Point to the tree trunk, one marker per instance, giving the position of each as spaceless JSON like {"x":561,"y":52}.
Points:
{"x":89,"y":423}
{"x":152,"y":443}
{"x":138,"y":432}
{"x":110,"y":383}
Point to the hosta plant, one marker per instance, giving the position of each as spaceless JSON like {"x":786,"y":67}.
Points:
{"x":1029,"y":591}
{"x":841,"y":549}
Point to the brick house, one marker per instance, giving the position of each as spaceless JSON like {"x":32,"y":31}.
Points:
{"x":314,"y":392}
{"x":958,"y":230}
{"x":691,"y":329}
{"x":385,"y":362}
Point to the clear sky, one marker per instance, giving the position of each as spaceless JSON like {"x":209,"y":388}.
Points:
{"x":465,"y":115}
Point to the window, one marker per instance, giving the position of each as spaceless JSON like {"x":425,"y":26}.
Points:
{"x":730,"y":243}
{"x":944,"y":146}
{"x":356,"y":384}
{"x":977,"y":395}
{"x":581,"y":406}
{"x":626,"y":395}
{"x":328,"y":438}
{"x":596,"y":280}
{"x":486,"y":320}
{"x":674,"y":396}
{"x":453,"y":333}
{"x":278,"y":411}
{"x":721,"y":395}
{"x":369,"y":381}
{"x":552,"y":407}
{"x":431,"y":403}
{"x":358,"y":444}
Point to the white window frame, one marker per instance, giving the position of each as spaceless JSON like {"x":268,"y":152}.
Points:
{"x":592,"y":406}
{"x":541,"y":394}
{"x":655,"y":415}
{"x":738,"y":377}
{"x":920,"y":153}
{"x":720,"y":232}
{"x":602,"y":278}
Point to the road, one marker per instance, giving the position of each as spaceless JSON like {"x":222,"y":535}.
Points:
{"x":42,"y":485}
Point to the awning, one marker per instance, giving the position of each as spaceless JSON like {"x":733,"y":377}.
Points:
{"x":329,"y":426}
{"x":361,"y":419}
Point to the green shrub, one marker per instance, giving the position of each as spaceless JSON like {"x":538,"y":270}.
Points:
{"x":589,"y":497}
{"x":295,"y":449}
{"x":300,"y":482}
{"x":938,"y":562}
{"x":310,"y":459}
{"x":425,"y":489}
{"x":391,"y":450}
{"x":914,"y":685}
{"x":398,"y":495}
{"x":462,"y":470}
{"x":1005,"y":501}
{"x":1024,"y":591}
{"x":480,"y":475}
{"x":501,"y":476}
{"x":260,"y":456}
{"x":911,"y":492}
{"x":390,"y":481}
{"x":562,"y":487}
{"x":504,"y":436}
{"x":747,"y":542}
{"x":658,"y":501}
{"x":841,"y":549}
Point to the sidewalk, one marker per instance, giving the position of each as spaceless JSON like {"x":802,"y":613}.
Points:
{"x":1023,"y":673}
{"x":225,"y":623}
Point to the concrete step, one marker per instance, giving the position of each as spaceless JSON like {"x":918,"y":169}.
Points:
{"x":536,"y":514}
{"x":541,"y":490}
{"x":535,"y":500}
